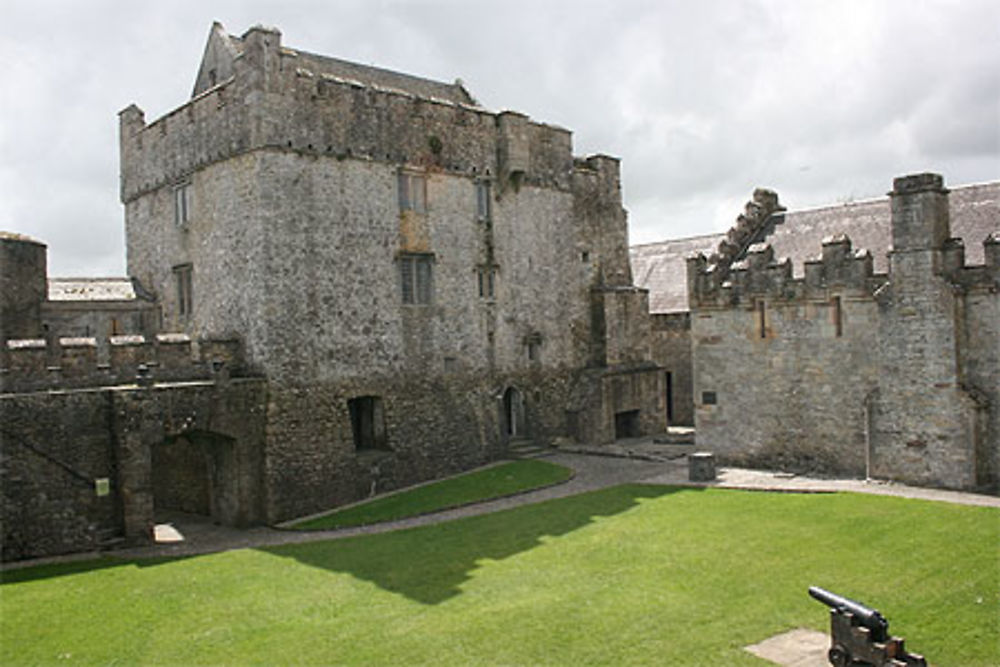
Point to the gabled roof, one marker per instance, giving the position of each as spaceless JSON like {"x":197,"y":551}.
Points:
{"x":661,"y":268}
{"x":222,"y":48}
{"x":92,"y":289}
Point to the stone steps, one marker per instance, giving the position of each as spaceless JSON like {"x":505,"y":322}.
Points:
{"x":521,"y":448}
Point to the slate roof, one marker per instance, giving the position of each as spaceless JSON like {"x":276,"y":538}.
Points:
{"x":369,"y":75}
{"x":91,"y":289}
{"x":660,"y":267}
{"x":374,"y":76}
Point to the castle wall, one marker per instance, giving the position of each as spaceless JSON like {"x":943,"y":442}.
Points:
{"x":671,"y":349}
{"x":792,"y":398}
{"x":848,"y":371}
{"x":55,"y":445}
{"x":82,"y":468}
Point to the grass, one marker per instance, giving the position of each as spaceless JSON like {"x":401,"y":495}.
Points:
{"x":495,"y":482}
{"x":629,"y":575}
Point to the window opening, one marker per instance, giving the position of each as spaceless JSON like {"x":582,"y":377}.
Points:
{"x":368,"y":422}
{"x":412,"y":192}
{"x":487,"y":282}
{"x":182,"y":280}
{"x":761,"y":318}
{"x":182,"y":204}
{"x":483,"y":205}
{"x":416,"y":277}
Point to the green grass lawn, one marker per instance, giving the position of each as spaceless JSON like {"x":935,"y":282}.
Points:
{"x":494,"y":482}
{"x":629,"y":575}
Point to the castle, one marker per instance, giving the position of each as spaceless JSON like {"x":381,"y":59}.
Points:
{"x":389,"y":281}
{"x":344,"y":280}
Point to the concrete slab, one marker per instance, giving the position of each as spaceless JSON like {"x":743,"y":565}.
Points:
{"x":795,"y":648}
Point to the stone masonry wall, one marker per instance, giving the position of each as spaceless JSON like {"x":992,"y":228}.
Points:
{"x":295,"y":240}
{"x":54,"y":447}
{"x":671,"y":336}
{"x":851,"y":372}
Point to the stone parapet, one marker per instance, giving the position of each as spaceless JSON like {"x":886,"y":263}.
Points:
{"x":71,"y":363}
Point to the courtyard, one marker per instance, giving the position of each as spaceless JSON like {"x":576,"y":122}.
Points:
{"x":595,"y":572}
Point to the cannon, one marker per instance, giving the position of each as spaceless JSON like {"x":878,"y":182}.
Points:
{"x":859,"y":635}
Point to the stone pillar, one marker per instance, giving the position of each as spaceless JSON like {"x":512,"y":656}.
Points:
{"x":138,"y":428}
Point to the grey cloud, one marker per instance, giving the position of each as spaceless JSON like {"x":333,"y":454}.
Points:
{"x":702,"y":101}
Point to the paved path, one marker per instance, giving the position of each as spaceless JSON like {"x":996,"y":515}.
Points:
{"x":642,"y":462}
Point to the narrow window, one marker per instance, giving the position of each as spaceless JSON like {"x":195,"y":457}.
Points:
{"x":761,"y":318}
{"x":483,"y":200}
{"x":416,"y":278}
{"x":182,"y":204}
{"x":412,"y":192}
{"x":534,"y":344}
{"x":487,"y":282}
{"x":182,"y":279}
{"x":838,"y":317}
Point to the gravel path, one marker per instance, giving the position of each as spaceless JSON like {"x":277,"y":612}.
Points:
{"x":643,"y":462}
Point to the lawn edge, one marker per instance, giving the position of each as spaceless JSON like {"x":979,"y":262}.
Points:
{"x":287,"y":525}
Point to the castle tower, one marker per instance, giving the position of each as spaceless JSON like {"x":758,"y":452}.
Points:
{"x":23,"y":286}
{"x":925,"y":426}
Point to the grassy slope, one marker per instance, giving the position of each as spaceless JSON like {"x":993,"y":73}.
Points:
{"x":502,"y":480}
{"x":634,"y":574}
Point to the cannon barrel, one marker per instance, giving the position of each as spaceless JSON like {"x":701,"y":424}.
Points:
{"x":865,"y":616}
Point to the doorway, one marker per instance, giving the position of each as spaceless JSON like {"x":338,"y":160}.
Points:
{"x":513,"y":414}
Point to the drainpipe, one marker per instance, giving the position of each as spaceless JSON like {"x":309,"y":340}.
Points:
{"x":869,"y":409}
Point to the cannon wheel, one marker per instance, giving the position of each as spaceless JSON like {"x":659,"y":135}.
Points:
{"x":838,"y":656}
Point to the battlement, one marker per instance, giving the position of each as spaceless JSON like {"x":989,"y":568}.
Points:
{"x":71,"y":363}
{"x":840,"y":269}
{"x":280,"y":99}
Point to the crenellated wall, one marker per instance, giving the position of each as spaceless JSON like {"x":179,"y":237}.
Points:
{"x":274,"y":102}
{"x":70,"y":363}
{"x":850,"y":371}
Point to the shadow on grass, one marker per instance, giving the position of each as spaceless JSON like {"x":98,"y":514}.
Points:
{"x":52,"y":570}
{"x":429,"y":564}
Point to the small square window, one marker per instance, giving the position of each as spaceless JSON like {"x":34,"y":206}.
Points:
{"x":709,"y":398}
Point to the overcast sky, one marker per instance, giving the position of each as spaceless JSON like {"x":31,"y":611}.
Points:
{"x":824,"y":102}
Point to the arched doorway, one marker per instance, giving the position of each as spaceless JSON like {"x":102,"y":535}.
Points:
{"x":513,"y":414}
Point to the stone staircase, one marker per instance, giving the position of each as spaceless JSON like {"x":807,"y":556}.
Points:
{"x":676,"y":435}
{"x":523,"y":448}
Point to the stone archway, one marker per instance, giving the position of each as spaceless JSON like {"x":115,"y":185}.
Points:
{"x":194,"y":472}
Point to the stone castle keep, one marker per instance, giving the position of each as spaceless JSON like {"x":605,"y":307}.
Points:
{"x":344,"y":280}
